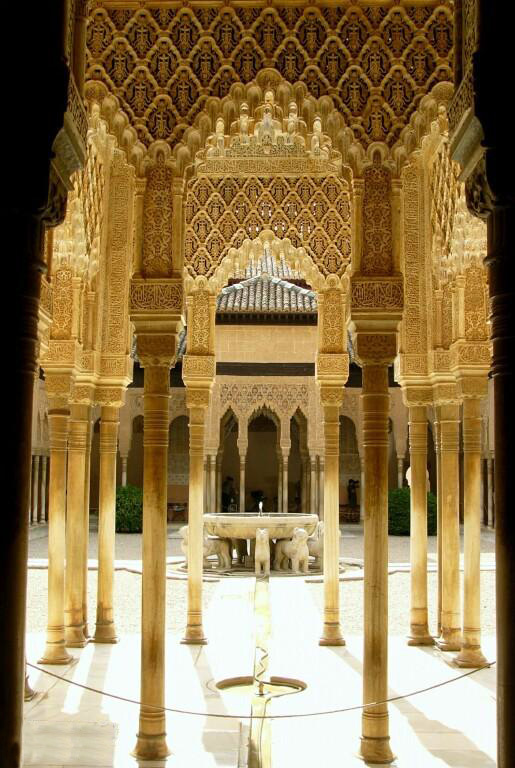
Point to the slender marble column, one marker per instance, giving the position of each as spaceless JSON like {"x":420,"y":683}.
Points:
{"x":205,"y":491}
{"x":219,"y":460}
{"x":123,"y":460}
{"x":44,"y":500}
{"x":151,"y":743}
{"x":470,"y":654}
{"x":105,"y":631}
{"x":321,"y":470}
{"x":35,"y":489}
{"x":285,"y":462}
{"x":490,"y":478}
{"x":243,"y":459}
{"x":400,"y":471}
{"x":212,"y":480}
{"x":55,"y":651}
{"x":362,"y":489}
{"x":197,"y":402}
{"x":331,"y":398}
{"x":375,"y":741}
{"x":313,"y":484}
{"x":87,"y":470}
{"x":449,"y":418}
{"x":439,"y":506}
{"x":279,"y":481}
{"x":419,"y":630}
{"x":75,"y":533}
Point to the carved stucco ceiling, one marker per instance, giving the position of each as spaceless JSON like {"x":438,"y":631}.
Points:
{"x":376,"y":62}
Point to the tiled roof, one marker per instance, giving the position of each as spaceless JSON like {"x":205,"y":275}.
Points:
{"x":264,"y":293}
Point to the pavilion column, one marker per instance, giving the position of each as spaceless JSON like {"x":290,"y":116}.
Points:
{"x":362,"y":488}
{"x":419,"y":630}
{"x":313,"y":484}
{"x":490,"y":490}
{"x":321,"y":474}
{"x":58,"y":423}
{"x":44,"y":499}
{"x":375,"y":741}
{"x":34,"y":517}
{"x":156,"y":353}
{"x":470,"y":654}
{"x":279,"y":480}
{"x":105,"y":631}
{"x":284,"y":463}
{"x":331,"y":398}
{"x":87,"y":471}
{"x":212,"y":484}
{"x":205,"y":485}
{"x":197,"y":401}
{"x":75,"y":529}
{"x":124,"y":460}
{"x":439,"y":506}
{"x":243,"y":459}
{"x":219,"y":460}
{"x":449,"y":419}
{"x":400,"y":471}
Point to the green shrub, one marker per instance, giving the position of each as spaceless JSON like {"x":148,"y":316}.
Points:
{"x":399,"y":512}
{"x":129,"y":509}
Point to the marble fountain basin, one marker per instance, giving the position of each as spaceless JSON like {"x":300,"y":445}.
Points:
{"x":245,"y":526}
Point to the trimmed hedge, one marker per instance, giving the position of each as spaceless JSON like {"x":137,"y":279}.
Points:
{"x":129,"y":509}
{"x":399,"y":512}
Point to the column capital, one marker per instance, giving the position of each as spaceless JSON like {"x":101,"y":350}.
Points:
{"x":156,"y":349}
{"x":58,"y":387}
{"x":110,"y":396}
{"x":375,"y":348}
{"x":445,"y":393}
{"x":197,"y":397}
{"x":331,"y":395}
{"x":415,"y":396}
{"x":83,"y":393}
{"x":472,"y":387}
{"x":332,"y":368}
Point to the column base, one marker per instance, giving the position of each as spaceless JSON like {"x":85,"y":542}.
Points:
{"x":55,"y":653}
{"x":151,"y":747}
{"x":74,"y":636}
{"x":194,"y":636}
{"x":105,"y":633}
{"x":471,"y":657}
{"x":331,"y":634}
{"x":450,"y":640}
{"x":376,"y":751}
{"x":419,"y":635}
{"x":29,"y":693}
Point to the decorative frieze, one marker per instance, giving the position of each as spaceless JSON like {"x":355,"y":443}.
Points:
{"x":156,"y":295}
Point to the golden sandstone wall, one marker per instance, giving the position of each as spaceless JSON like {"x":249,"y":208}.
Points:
{"x":266,"y":344}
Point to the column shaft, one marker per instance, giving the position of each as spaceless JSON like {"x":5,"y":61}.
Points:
{"x":35,"y":489}
{"x":75,"y":533}
{"x":450,"y":638}
{"x":55,"y":651}
{"x":151,"y":743}
{"x":331,"y":633}
{"x":375,"y":742}
{"x":124,"y":470}
{"x":470,"y":654}
{"x":313,"y":485}
{"x":490,"y":477}
{"x":219,"y":459}
{"x":212,"y":480}
{"x":87,"y":470}
{"x":439,"y":506}
{"x":242,"y":482}
{"x":194,"y":630}
{"x":400,"y":471}
{"x":285,"y":463}
{"x":321,"y":467}
{"x":44,"y":502}
{"x":105,"y":631}
{"x":419,"y":631}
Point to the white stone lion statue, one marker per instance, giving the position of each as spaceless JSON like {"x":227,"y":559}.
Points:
{"x":211,"y":546}
{"x":316,"y":545}
{"x":294,"y":550}
{"x":262,"y":552}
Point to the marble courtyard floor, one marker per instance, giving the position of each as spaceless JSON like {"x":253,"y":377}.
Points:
{"x":453,"y":725}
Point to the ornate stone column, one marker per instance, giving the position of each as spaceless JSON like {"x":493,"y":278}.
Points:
{"x":219,"y":460}
{"x":156,"y":353}
{"x":87,"y":470}
{"x":321,"y":470}
{"x":75,"y":525}
{"x":374,"y":352}
{"x":124,"y":460}
{"x":197,"y":401}
{"x":284,"y":463}
{"x":439,"y":506}
{"x":212,"y":484}
{"x":205,"y":492}
{"x":400,"y":471}
{"x":419,"y":630}
{"x":105,"y":631}
{"x":470,"y":654}
{"x":44,"y":499}
{"x":490,"y":490}
{"x":362,"y":489}
{"x":313,"y":484}
{"x":34,"y":518}
{"x":279,"y":480}
{"x":243,"y":458}
{"x":449,"y":420}
{"x":58,"y":418}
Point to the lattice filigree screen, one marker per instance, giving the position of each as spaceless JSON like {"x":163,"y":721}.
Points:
{"x":311,"y":212}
